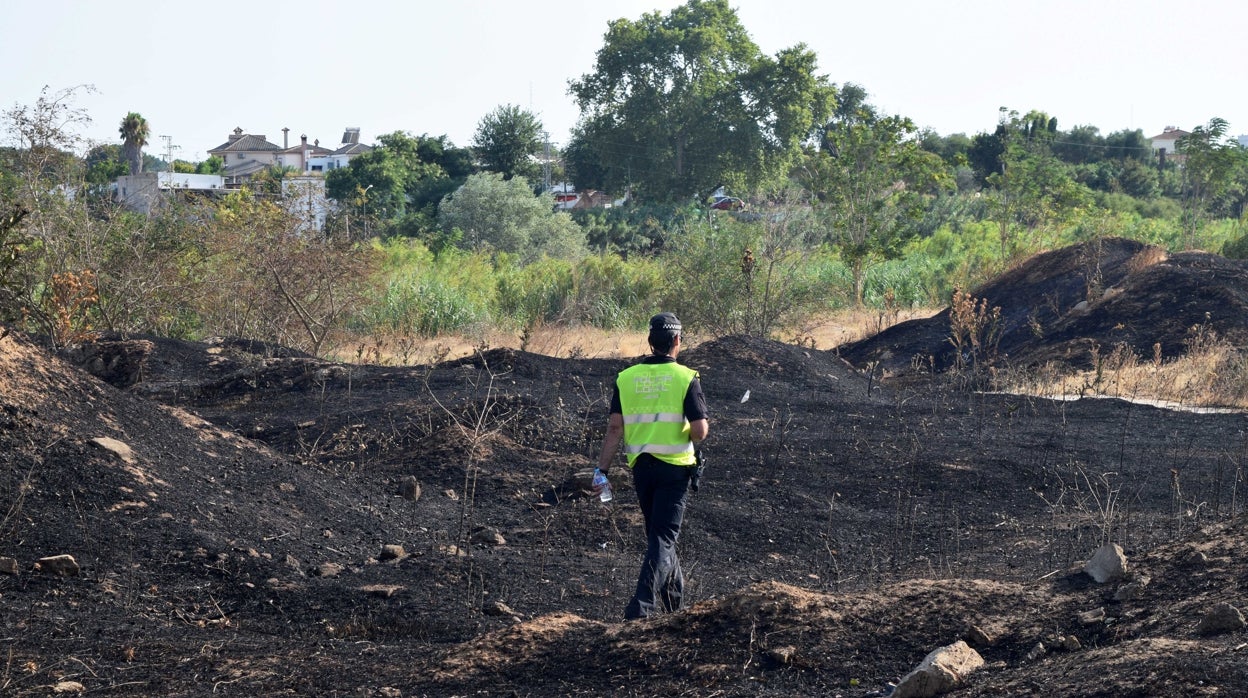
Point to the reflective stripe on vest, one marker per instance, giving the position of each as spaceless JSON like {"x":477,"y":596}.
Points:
{"x":652,"y":399}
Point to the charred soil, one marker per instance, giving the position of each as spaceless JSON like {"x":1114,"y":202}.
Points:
{"x":249,"y":521}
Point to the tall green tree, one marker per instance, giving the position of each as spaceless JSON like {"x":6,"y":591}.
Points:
{"x":506,"y":141}
{"x":213,"y":165}
{"x":1213,"y":166}
{"x":1032,"y":188}
{"x":134,"y":133}
{"x":680,"y":104}
{"x":105,"y":163}
{"x":868,"y":185}
{"x":403,"y":177}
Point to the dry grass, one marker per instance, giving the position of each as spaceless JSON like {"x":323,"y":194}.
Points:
{"x":551,"y":340}
{"x":832,"y":330}
{"x":1213,"y":374}
{"x":823,"y":332}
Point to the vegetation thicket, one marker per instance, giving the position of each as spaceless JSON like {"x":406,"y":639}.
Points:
{"x":846,"y":207}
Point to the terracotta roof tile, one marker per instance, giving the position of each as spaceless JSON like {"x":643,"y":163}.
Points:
{"x":247,"y":143}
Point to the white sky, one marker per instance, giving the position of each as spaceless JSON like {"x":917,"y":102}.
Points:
{"x":196,"y":70}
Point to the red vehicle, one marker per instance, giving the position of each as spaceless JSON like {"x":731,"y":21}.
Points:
{"x":728,"y":203}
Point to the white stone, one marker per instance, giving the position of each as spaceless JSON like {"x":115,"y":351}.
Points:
{"x":117,"y":448}
{"x":1108,"y":564}
{"x":943,"y":670}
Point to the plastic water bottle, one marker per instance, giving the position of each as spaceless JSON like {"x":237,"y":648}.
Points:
{"x":600,"y":480}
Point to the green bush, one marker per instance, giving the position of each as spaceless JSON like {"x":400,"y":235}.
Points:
{"x":611,"y":293}
{"x":535,"y":293}
{"x":428,"y":295}
{"x":753,"y":277}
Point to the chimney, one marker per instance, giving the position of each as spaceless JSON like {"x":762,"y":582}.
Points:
{"x":238,"y":133}
{"x":285,"y":138}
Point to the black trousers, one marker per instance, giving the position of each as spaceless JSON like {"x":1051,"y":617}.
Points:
{"x":662,"y":490}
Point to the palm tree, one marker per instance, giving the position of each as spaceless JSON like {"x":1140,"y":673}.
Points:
{"x":269,"y":180}
{"x":134,"y":132}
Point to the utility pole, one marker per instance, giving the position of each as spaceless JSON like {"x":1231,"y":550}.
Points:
{"x":169,"y":148}
{"x":546,"y":161}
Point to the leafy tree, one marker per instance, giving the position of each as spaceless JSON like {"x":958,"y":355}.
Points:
{"x":681,"y":104}
{"x":584,"y":166}
{"x":268,"y":181}
{"x":984,"y":153}
{"x":1128,"y":145}
{"x":503,"y":215}
{"x":105,"y":164}
{"x":852,"y":105}
{"x":626,"y":230}
{"x":213,"y":165}
{"x":55,"y":236}
{"x":1081,"y":144}
{"x":134,"y":132}
{"x":1032,"y":188}
{"x":868,"y":187}
{"x":456,"y":165}
{"x":1138,"y":179}
{"x":952,"y":149}
{"x":506,"y":141}
{"x":402,"y":179}
{"x":1212,"y":168}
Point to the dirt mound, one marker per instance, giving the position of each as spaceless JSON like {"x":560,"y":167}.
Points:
{"x":771,"y":371}
{"x":776,"y":639}
{"x":246,"y":524}
{"x":1057,"y":305}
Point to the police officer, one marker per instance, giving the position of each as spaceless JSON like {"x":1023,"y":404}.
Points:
{"x":659,"y":413}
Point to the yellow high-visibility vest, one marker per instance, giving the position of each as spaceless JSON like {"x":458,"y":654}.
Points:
{"x":652,"y":400}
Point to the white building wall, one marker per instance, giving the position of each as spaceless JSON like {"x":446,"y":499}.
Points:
{"x":142,"y":192}
{"x":325,"y":163}
{"x":179,"y":180}
{"x":305,"y":198}
{"x":1167,"y":143}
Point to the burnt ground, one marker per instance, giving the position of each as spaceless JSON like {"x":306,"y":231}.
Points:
{"x":1057,"y":306}
{"x":845,"y":528}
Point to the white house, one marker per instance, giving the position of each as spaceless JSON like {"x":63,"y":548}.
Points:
{"x":244,"y":155}
{"x":349,"y":148}
{"x":298,"y":156}
{"x":1165,"y":143}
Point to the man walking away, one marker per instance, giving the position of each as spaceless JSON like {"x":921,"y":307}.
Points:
{"x":659,"y":413}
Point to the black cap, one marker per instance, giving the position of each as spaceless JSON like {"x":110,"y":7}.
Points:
{"x":665,"y":325}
